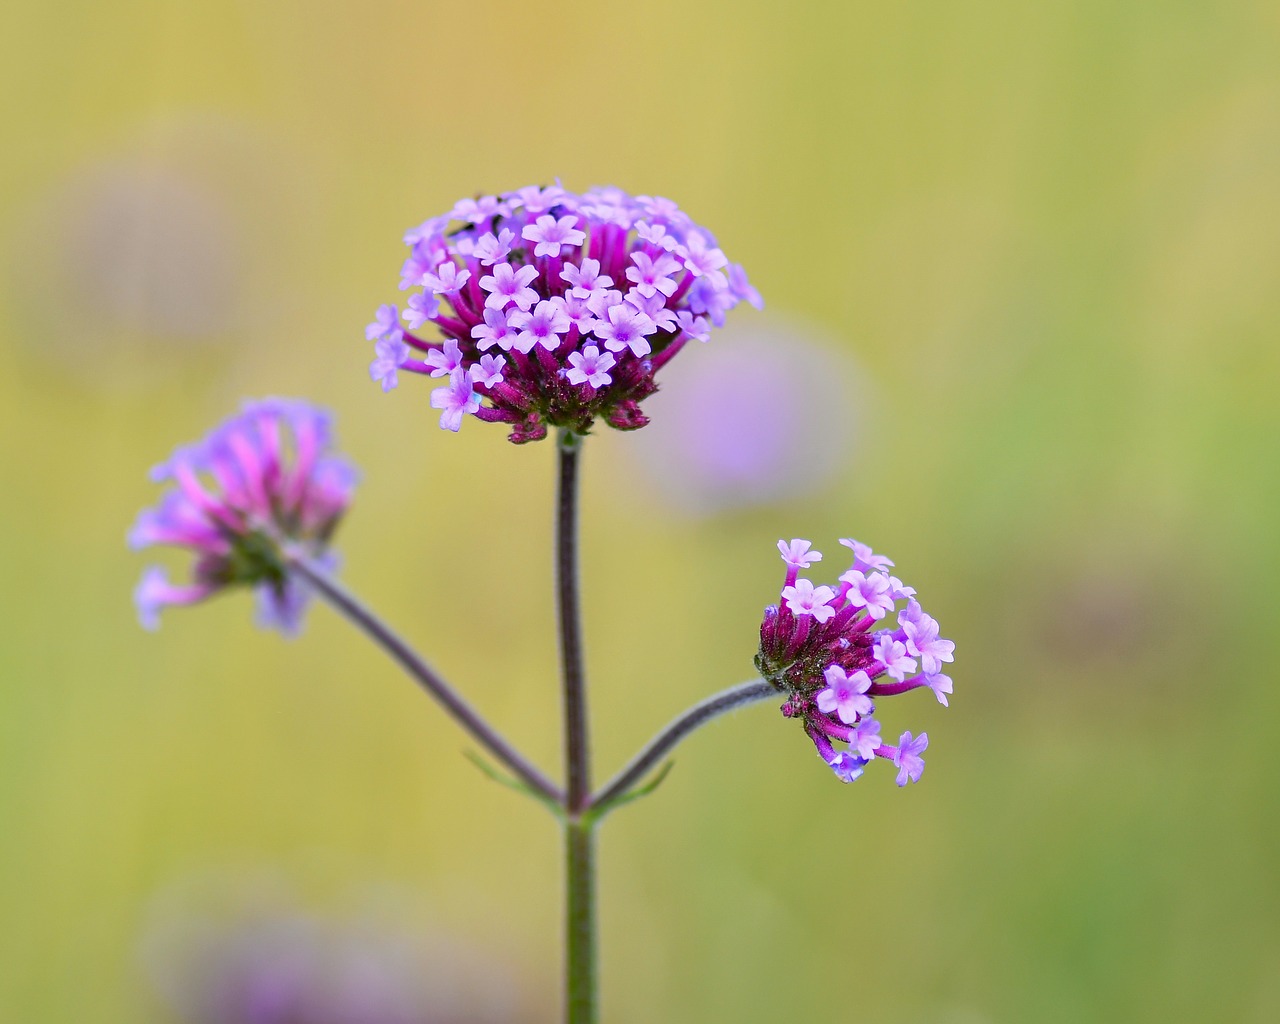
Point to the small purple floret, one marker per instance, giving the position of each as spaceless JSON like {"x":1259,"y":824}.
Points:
{"x":455,"y":399}
{"x":907,"y":757}
{"x":805,"y":599}
{"x":845,"y":694}
{"x":847,"y":767}
{"x":590,"y":366}
{"x":799,"y":554}
{"x":389,"y":354}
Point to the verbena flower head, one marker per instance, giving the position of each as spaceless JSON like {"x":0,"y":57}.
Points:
{"x":835,"y":651}
{"x":578,"y":299}
{"x":260,"y":479}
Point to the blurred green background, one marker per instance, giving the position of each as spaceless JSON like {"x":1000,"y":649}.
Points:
{"x":1046,"y":239}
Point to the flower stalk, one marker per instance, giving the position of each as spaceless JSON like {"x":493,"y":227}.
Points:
{"x":576,"y":740}
{"x":580,"y":896}
{"x":662,"y":744}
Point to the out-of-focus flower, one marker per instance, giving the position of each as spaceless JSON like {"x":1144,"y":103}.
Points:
{"x":768,"y":412}
{"x":159,"y":258}
{"x":585,"y":297}
{"x":260,"y":479}
{"x":284,"y":965}
{"x":818,"y":646}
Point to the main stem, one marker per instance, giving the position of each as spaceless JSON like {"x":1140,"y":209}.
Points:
{"x":576,"y":748}
{"x":580,"y":921}
{"x":580,"y":901}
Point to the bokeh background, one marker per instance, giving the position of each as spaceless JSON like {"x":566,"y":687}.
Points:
{"x":1028,"y":258}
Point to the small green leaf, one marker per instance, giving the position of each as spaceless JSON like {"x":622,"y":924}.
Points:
{"x":516,"y":784}
{"x":600,"y":811}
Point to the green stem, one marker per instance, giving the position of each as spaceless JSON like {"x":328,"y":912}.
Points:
{"x":580,"y":921}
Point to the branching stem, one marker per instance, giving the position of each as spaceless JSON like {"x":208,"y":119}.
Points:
{"x":423,"y":674}
{"x":696,"y":717}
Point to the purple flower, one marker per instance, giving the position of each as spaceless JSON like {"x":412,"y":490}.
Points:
{"x":389,"y":353}
{"x":425,"y":231}
{"x":488,"y":371}
{"x":940,"y":685}
{"x":701,"y":258}
{"x":448,"y":279}
{"x":650,"y":276}
{"x":552,"y":235}
{"x":864,"y":559}
{"x":624,"y":327}
{"x":865,"y":738}
{"x":818,"y":650}
{"x":846,"y":695}
{"x":656,"y":235}
{"x":549,"y":258}
{"x":423,"y":306}
{"x":476,"y":211}
{"x":898,"y":591}
{"x":869,"y":592}
{"x":508,"y":286}
{"x":386,"y":324}
{"x":535,"y":199}
{"x":455,"y":399}
{"x":655,"y":308}
{"x":491,"y":248}
{"x":578,"y":310}
{"x":543,"y":326}
{"x":893,"y":656}
{"x":154,"y":592}
{"x":590,"y":366}
{"x":751,"y":420}
{"x":804,"y":599}
{"x":444,"y":361}
{"x":586,"y":280}
{"x":281,"y":606}
{"x":422,"y":260}
{"x":494,"y":331}
{"x":696,"y":327}
{"x":907,"y":757}
{"x":799,"y":554}
{"x":217,"y":952}
{"x":741,"y":287}
{"x":662,"y":209}
{"x":846,"y":766}
{"x":261,"y":480}
{"x":922,"y":638}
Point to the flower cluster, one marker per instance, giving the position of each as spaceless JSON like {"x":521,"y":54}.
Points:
{"x":261,"y":479}
{"x":554,"y":307}
{"x":821,"y":646}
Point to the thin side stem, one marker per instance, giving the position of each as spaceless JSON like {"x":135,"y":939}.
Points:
{"x":580,"y":921}
{"x":577,"y":754}
{"x":696,"y":717}
{"x":423,"y":674}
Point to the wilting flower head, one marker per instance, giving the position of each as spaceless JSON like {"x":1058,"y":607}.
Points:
{"x":826,"y":649}
{"x":261,"y":478}
{"x":554,"y":307}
